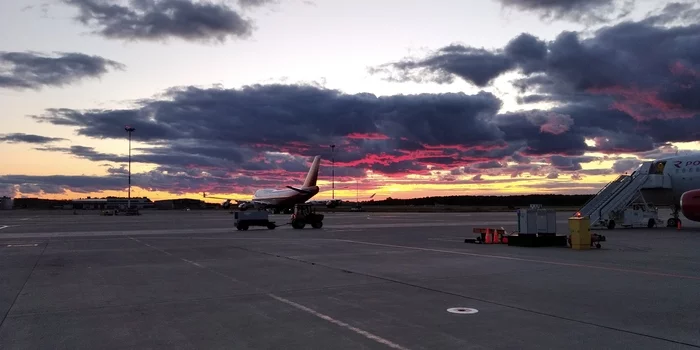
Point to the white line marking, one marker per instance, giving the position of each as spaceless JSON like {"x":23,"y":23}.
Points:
{"x":550,"y":262}
{"x":3,"y":227}
{"x":342,"y":324}
{"x":364,"y":333}
{"x":152,"y":247}
{"x":239,"y":238}
{"x":446,"y":239}
{"x":192,"y":262}
{"x":22,"y":245}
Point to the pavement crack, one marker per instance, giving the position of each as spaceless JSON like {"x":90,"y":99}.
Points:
{"x":19,"y":292}
{"x":270,"y":294}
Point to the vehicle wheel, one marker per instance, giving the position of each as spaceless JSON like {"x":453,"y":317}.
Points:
{"x":271,"y":226}
{"x":597,"y":245}
{"x":671,"y":222}
{"x":611,"y":224}
{"x":298,"y":225}
{"x":317,"y":224}
{"x":651,"y":223}
{"x":244,"y":227}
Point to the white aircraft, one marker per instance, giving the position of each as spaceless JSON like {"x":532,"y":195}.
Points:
{"x":280,"y":199}
{"x":684,"y":174}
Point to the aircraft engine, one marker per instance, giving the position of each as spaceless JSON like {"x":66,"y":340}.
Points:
{"x":690,"y":205}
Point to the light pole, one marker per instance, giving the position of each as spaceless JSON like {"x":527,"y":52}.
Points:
{"x":129,"y":129}
{"x":332,"y":172}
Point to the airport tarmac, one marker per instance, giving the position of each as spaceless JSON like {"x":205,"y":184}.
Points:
{"x":176,"y":279}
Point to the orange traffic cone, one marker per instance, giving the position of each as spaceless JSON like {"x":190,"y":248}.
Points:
{"x":488,"y":238}
{"x":678,"y":224}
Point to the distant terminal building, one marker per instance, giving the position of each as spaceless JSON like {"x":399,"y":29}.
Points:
{"x":40,"y":203}
{"x":6,"y":203}
{"x":181,"y":203}
{"x":111,"y":203}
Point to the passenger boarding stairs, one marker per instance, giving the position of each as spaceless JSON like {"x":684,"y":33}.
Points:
{"x":619,"y":194}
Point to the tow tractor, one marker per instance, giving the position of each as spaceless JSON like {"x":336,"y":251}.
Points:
{"x":303,"y":214}
{"x":242,"y":220}
{"x":306,"y":214}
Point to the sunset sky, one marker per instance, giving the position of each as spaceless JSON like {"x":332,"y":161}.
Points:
{"x":439,"y":97}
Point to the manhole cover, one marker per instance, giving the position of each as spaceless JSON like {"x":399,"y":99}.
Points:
{"x":462,"y":310}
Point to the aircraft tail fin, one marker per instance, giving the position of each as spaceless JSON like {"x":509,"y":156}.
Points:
{"x":312,"y":176}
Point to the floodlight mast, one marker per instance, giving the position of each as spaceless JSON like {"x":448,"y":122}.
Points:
{"x":332,"y":172}
{"x":129,"y":129}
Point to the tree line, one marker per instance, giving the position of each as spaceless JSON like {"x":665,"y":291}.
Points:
{"x":556,"y":200}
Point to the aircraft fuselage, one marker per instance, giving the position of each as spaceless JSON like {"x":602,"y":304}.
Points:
{"x":682,"y":170}
{"x":272,"y":197}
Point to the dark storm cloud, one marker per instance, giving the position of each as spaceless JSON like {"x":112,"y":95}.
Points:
{"x":183,"y":162}
{"x":162,"y":20}
{"x":519,"y":170}
{"x":570,"y":163}
{"x":9,"y":189}
{"x":31,"y":70}
{"x":118,"y":171}
{"x":392,"y":135}
{"x":627,"y":86}
{"x":176,"y":178}
{"x":304,"y":120}
{"x":520,"y":159}
{"x":488,"y":165}
{"x":640,"y":65}
{"x":215,"y":133}
{"x":675,"y":12}
{"x":256,"y":3}
{"x":178,"y":183}
{"x":34,"y":183}
{"x":476,"y":65}
{"x":27,"y":138}
{"x":621,"y":141}
{"x":587,"y":11}
{"x":179,"y":158}
{"x":625,"y":165}
{"x":660,"y":151}
{"x":543,"y":132}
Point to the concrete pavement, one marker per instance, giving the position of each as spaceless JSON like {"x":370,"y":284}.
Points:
{"x":382,"y":280}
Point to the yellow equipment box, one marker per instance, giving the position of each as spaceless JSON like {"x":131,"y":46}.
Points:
{"x":580,"y":230}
